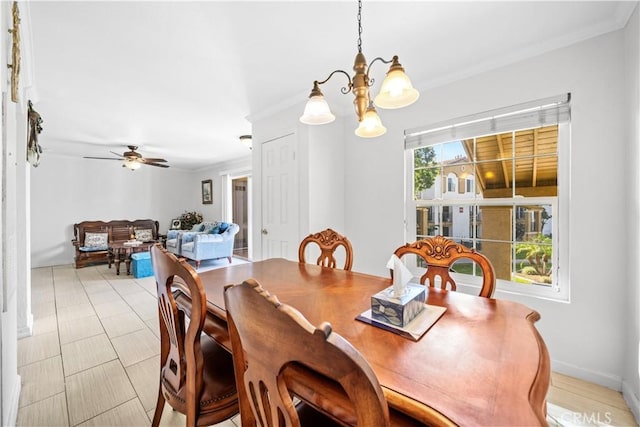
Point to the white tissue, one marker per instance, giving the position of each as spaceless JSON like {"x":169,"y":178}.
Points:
{"x":401,"y":276}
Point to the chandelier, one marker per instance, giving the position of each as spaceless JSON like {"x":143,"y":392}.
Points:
{"x":396,"y":92}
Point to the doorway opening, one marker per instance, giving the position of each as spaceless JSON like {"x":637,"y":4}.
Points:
{"x":240,"y":189}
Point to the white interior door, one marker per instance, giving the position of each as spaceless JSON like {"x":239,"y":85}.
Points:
{"x":280,"y":198}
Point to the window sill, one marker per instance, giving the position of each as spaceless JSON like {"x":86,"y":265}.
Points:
{"x":528,"y":291}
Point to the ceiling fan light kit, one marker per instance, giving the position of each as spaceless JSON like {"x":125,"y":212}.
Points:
{"x":396,"y":91}
{"x":247,"y":140}
{"x":131,"y":164}
{"x":132,"y":159}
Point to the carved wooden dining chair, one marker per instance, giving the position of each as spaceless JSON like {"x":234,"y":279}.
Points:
{"x":440,"y":254}
{"x":328,"y":240}
{"x":277,"y":353}
{"x":196,"y":373}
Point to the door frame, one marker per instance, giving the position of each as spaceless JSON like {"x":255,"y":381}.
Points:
{"x":227,"y":207}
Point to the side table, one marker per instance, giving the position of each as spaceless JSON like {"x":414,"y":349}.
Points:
{"x":121,"y":251}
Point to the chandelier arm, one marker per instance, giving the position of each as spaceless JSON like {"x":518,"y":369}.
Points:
{"x":344,"y":89}
{"x":371,"y":81}
{"x":384,"y":61}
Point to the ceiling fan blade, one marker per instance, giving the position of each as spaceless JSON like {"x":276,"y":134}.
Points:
{"x":156,"y":164}
{"x":133,"y":156}
{"x":101,"y":158}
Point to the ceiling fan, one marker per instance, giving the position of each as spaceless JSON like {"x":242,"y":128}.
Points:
{"x":132,"y":159}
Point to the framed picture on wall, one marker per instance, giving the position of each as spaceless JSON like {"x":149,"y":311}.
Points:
{"x":207,"y":192}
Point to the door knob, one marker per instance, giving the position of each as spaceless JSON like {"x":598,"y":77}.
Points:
{"x":264,"y":231}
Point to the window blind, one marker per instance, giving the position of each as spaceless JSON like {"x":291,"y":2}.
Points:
{"x":539,"y":113}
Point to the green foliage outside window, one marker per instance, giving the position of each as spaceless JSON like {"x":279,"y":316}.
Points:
{"x":424,"y":174}
{"x":537,"y":253}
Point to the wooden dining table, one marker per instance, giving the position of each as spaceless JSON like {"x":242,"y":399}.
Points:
{"x":483,"y":363}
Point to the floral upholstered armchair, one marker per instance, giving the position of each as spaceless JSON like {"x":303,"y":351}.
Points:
{"x":208,"y":240}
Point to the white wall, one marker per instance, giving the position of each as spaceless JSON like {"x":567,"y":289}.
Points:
{"x":585,"y":337}
{"x":219,"y":174}
{"x":10,"y":285}
{"x":321,"y":172}
{"x":631,"y":377}
{"x":325,"y":172}
{"x":67,"y":190}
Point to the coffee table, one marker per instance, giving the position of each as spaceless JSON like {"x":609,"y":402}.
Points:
{"x":121,"y":251}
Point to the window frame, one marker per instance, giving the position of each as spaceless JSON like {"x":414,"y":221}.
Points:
{"x":469,"y":186}
{"x":451,"y":184}
{"x":560,"y":290}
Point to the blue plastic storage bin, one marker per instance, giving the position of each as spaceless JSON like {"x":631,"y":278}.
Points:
{"x":141,"y":264}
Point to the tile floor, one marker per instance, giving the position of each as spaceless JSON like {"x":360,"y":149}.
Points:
{"x":93,"y":358}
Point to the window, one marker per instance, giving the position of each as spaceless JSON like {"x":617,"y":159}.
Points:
{"x":446,"y":214}
{"x":469,"y":186}
{"x":512,"y":169}
{"x":451,"y":184}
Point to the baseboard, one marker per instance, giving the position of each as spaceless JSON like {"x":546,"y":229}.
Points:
{"x":12,"y":414}
{"x":610,"y":381}
{"x":632,"y":400}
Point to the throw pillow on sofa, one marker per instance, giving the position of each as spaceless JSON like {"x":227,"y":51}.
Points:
{"x":208,"y":226}
{"x":96,"y":241}
{"x":223,"y":227}
{"x":144,"y":235}
{"x":197,"y":227}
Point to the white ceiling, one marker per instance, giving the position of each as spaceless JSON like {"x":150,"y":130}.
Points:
{"x":180,"y":79}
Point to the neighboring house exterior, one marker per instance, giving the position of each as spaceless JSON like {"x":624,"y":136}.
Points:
{"x":457,"y":182}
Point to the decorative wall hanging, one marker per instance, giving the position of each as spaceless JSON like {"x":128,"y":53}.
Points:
{"x":207,"y":192}
{"x":34,"y":150}
{"x":15,"y":53}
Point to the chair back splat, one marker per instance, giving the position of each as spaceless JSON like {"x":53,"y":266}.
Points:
{"x":440,"y":254}
{"x":196,"y":373}
{"x":277,"y":353}
{"x":328,"y":240}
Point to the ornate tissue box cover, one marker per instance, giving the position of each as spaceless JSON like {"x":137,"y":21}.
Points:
{"x":398,"y":311}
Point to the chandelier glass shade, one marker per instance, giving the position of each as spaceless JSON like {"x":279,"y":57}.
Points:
{"x":317,"y":111}
{"x":371,"y":125}
{"x":396,"y":91}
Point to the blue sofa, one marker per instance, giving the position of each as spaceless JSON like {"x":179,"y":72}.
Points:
{"x":174,"y":237}
{"x":208,"y":240}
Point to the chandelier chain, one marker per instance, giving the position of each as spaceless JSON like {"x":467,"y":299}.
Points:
{"x":359,"y":26}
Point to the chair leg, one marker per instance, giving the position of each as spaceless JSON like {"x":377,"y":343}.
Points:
{"x":159,"y":408}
